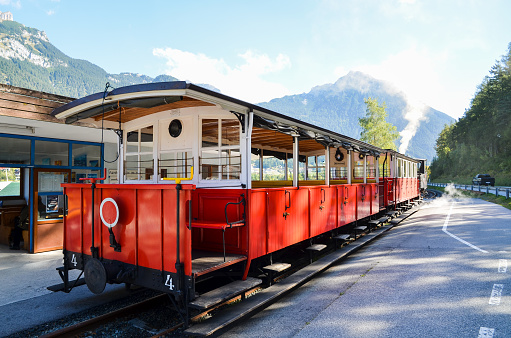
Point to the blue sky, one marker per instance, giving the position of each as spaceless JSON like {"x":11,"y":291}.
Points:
{"x":437,"y":51}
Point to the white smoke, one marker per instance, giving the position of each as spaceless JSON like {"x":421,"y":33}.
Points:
{"x":415,"y":113}
{"x":451,"y":194}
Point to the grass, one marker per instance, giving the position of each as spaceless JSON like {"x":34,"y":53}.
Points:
{"x":500,"y":200}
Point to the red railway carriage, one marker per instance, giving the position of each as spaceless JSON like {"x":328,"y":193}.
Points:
{"x":204,"y":183}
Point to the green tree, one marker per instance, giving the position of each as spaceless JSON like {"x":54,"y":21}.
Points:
{"x":376,"y":130}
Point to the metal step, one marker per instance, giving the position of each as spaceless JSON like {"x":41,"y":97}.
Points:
{"x":224,"y":293}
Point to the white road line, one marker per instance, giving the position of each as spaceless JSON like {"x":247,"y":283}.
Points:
{"x":486,"y":332}
{"x":444,"y":229}
{"x":502,"y":265}
{"x":496,"y":293}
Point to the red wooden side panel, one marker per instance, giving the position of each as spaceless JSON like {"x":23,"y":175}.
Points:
{"x":125,"y":230}
{"x":146,"y":229}
{"x":346,"y":204}
{"x":363,"y":200}
{"x":389,"y":191}
{"x":73,"y":220}
{"x":87,"y":220}
{"x":288,"y":217}
{"x":323,"y":209}
{"x":169,"y":215}
{"x":257,"y":216}
{"x":375,"y":198}
{"x":149,"y":230}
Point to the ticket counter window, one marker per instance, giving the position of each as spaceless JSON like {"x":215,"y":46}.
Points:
{"x":50,"y":198}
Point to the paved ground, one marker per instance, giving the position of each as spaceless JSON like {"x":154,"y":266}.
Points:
{"x":441,"y":273}
{"x":24,"y":300}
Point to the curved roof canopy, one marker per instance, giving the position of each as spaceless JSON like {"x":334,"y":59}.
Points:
{"x":131,"y":102}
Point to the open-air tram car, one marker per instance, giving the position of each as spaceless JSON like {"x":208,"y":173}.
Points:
{"x":207,"y":183}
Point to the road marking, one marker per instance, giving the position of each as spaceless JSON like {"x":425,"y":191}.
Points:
{"x":486,"y":332}
{"x":444,"y":229}
{"x":496,"y":293}
{"x":502,"y":265}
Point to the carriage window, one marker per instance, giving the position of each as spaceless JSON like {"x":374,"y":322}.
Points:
{"x":371,"y":169}
{"x":139,"y":162}
{"x":338,"y":164}
{"x":358,"y":165}
{"x":316,"y":167}
{"x":220,"y":155}
{"x":175,"y":164}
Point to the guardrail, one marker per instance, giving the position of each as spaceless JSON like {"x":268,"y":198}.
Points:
{"x":485,"y":188}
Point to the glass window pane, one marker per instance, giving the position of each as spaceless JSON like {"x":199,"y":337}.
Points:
{"x":86,"y":155}
{"x":83,"y":173}
{"x":254,"y":165}
{"x":50,"y":182}
{"x":146,"y":139}
{"x":52,"y":153}
{"x":14,"y":150}
{"x":176,"y":164}
{"x":209,"y":163}
{"x":146,"y":166}
{"x":10,"y":182}
{"x":132,"y":142}
{"x":230,"y":132}
{"x":50,"y":206}
{"x":231,"y":164}
{"x":131,"y":167}
{"x":209,"y":133}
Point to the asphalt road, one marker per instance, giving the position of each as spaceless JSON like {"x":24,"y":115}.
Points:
{"x":441,"y":273}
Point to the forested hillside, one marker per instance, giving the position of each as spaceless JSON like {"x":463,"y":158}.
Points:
{"x":29,"y":60}
{"x":480,"y":142}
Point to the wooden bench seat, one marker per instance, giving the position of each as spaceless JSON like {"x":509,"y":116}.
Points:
{"x":215,"y":225}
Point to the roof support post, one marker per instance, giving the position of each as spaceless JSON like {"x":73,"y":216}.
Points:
{"x":296,"y":161}
{"x":365,"y":169}
{"x":350,"y":160}
{"x":327,"y":165}
{"x":377,"y":169}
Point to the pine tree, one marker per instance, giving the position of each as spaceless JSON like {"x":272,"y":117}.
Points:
{"x":376,"y":130}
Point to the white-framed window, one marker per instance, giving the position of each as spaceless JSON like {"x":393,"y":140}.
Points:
{"x":220,"y":156}
{"x":139,"y":158}
{"x":316,"y":167}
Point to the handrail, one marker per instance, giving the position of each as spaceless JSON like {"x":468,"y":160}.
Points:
{"x":179,"y":179}
{"x":236,"y":203}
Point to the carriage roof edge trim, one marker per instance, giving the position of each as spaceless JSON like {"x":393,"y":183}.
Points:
{"x":153,"y":94}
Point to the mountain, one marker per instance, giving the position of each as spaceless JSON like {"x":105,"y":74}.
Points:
{"x":338,"y":107}
{"x":29,"y":60}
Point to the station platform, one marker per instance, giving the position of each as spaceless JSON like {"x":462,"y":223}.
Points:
{"x":24,"y":300}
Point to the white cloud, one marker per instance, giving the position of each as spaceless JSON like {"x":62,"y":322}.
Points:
{"x":245,"y":81}
{"x":415,"y":72}
{"x":15,"y":4}
{"x":50,"y":12}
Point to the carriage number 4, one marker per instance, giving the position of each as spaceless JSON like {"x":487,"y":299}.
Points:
{"x":73,"y":260}
{"x":169,"y":283}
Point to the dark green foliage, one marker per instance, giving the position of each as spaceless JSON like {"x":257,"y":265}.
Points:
{"x":480,"y":142}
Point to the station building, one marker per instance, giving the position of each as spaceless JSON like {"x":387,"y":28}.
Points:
{"x":39,"y":152}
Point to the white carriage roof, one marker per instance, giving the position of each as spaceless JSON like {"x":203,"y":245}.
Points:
{"x":131,"y":102}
